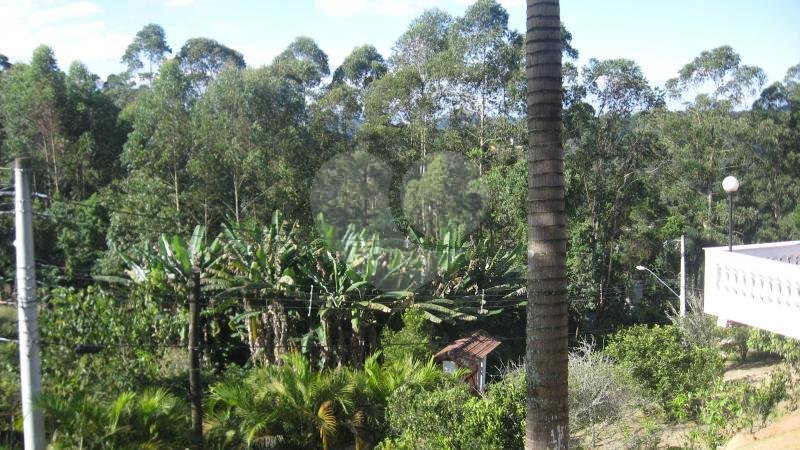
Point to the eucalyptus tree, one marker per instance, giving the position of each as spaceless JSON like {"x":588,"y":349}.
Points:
{"x":361,"y":67}
{"x":608,"y":138}
{"x":32,"y":106}
{"x":120,"y":89}
{"x":303,"y":62}
{"x":708,"y":140}
{"x":202,"y":60}
{"x":775,"y":120}
{"x":149,"y":45}
{"x":546,"y":354}
{"x":64,"y":122}
{"x":159,"y":144}
{"x":96,"y":136}
{"x":341,"y":107}
{"x":718,"y":77}
{"x":229,"y":128}
{"x":409,"y":101}
{"x":486,"y":57}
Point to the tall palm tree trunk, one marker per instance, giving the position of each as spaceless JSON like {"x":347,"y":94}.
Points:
{"x":546,"y":351}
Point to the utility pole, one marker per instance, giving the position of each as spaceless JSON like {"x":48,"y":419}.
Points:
{"x":30,"y":366}
{"x":683,"y":277}
{"x":195,"y":389}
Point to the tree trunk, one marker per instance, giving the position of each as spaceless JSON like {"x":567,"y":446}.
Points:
{"x":546,"y":350}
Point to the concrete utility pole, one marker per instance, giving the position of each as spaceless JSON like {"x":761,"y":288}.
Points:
{"x":195,"y":389}
{"x":30,"y":366}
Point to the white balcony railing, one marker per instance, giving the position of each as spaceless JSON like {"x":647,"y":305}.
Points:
{"x":756,"y":285}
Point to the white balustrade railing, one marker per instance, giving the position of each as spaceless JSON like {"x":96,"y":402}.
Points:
{"x":757,"y":285}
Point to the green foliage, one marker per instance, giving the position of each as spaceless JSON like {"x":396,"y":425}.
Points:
{"x":413,"y":339}
{"x":426,"y":418}
{"x":153,"y":419}
{"x":728,"y":407}
{"x":449,"y":417}
{"x":665,"y":367}
{"x":150,"y":44}
{"x":205,"y":140}
{"x":203,"y":59}
{"x":131,"y":332}
{"x":445,"y":196}
{"x":300,"y":408}
{"x":765,"y":341}
{"x":10,"y":406}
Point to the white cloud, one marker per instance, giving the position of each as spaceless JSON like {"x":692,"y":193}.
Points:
{"x":509,"y":4}
{"x":178,"y":3}
{"x":342,"y":8}
{"x":69,"y":11}
{"x":72,"y":28}
{"x":381,"y":7}
{"x":256,"y":55}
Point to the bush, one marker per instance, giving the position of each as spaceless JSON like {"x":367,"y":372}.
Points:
{"x":9,"y":375}
{"x":786,"y":348}
{"x":449,"y":418}
{"x":410,"y":340}
{"x":132,"y":334}
{"x":421,"y":418}
{"x":728,"y":407}
{"x":696,"y":327}
{"x":153,"y":419}
{"x":599,"y":390}
{"x":659,"y":360}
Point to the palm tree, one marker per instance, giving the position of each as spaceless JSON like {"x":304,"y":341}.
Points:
{"x":546,"y":352}
{"x":149,"y":420}
{"x":290,"y":404}
{"x":373,"y":387}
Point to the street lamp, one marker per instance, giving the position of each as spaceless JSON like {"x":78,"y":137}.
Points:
{"x":681,"y":296}
{"x":731,"y":185}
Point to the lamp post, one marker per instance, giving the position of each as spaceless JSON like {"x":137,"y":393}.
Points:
{"x":730,"y":184}
{"x":681,"y":296}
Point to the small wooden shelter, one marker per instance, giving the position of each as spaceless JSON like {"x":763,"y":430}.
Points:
{"x":469,"y":352}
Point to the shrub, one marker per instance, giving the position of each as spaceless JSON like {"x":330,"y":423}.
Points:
{"x":132,"y":334}
{"x":449,"y":418}
{"x":728,"y":407}
{"x":153,"y":419}
{"x":787,"y":348}
{"x":599,"y":390}
{"x":696,"y":327}
{"x":410,"y":340}
{"x":422,"y":418}
{"x":659,"y":360}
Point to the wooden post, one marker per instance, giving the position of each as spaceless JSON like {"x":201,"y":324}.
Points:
{"x":195,"y":388}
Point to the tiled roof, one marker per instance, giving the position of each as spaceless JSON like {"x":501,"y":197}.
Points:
{"x":477,"y":345}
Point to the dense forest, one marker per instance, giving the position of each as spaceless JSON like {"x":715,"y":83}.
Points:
{"x":379,"y":206}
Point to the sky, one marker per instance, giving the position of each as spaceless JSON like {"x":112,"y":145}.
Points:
{"x":661,"y":36}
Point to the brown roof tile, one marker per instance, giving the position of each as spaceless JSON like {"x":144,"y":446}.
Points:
{"x":475,"y":346}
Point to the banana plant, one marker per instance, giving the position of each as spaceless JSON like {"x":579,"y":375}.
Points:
{"x":254,"y":278}
{"x":163,"y":272}
{"x":345,"y":273}
{"x":174,"y":256}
